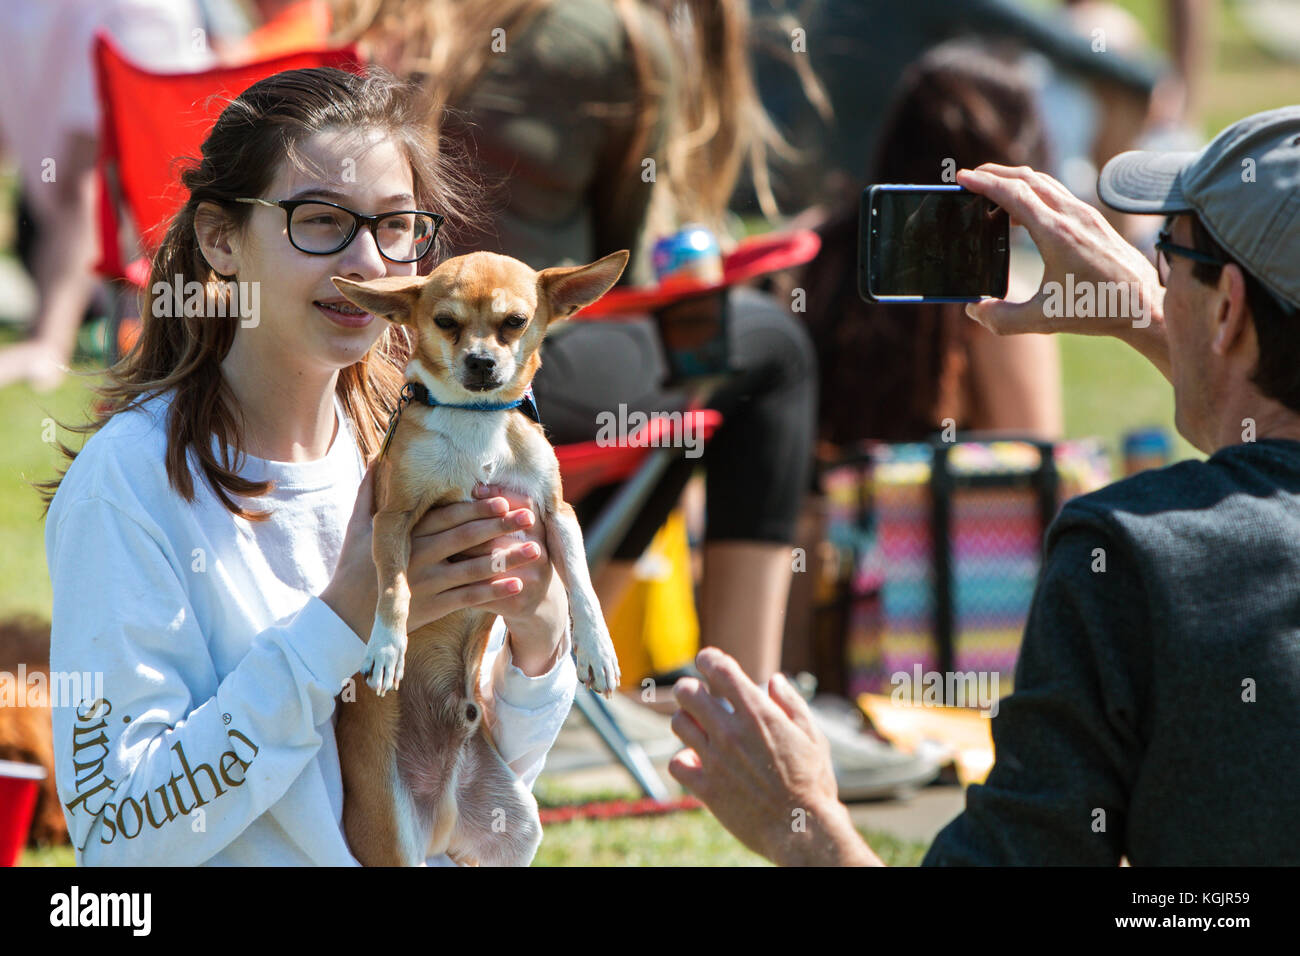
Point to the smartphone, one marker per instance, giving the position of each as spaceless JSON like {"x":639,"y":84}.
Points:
{"x":931,"y":244}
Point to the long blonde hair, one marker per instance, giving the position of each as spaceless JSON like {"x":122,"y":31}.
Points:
{"x":715,"y":123}
{"x":253,"y":136}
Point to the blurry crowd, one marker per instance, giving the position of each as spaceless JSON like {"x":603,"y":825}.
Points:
{"x":774,"y":109}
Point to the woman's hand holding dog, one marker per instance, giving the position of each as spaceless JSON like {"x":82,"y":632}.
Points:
{"x":475,"y":553}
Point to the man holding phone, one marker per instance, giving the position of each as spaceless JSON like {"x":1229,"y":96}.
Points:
{"x":1156,"y":714}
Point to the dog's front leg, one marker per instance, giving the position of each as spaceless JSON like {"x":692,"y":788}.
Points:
{"x":386,"y":650}
{"x":597,"y":662}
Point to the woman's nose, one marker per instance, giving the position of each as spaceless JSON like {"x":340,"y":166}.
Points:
{"x":361,"y":258}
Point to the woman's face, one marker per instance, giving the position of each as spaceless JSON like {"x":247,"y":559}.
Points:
{"x":299,"y":323}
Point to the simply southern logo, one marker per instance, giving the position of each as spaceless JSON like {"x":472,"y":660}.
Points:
{"x":91,"y":736}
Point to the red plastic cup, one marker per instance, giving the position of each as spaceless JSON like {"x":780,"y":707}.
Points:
{"x":19,"y":785}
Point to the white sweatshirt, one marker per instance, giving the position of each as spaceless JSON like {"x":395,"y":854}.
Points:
{"x":212,"y":740}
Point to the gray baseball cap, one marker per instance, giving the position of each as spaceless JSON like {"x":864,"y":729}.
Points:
{"x":1244,"y":186}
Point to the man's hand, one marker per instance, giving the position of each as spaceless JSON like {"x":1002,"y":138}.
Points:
{"x":762,"y":766}
{"x":1074,"y":240}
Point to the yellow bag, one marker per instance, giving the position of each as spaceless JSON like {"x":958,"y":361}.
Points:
{"x":654,"y":626}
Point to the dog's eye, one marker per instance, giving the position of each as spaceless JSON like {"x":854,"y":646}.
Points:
{"x":515,"y":321}
{"x":444,"y":320}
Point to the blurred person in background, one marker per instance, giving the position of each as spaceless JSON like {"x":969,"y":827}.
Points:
{"x":49,"y":127}
{"x":898,"y":372}
{"x":859,"y":49}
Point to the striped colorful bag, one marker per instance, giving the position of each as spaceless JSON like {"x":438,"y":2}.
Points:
{"x":959,"y":606}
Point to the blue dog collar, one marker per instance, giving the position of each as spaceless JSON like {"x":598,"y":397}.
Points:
{"x":416,"y":392}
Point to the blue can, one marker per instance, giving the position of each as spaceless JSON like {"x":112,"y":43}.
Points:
{"x":690,"y":254}
{"x":1146,"y":448}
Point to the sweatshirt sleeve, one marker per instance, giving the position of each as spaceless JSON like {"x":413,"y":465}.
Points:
{"x":1068,"y":742}
{"x":526,"y":713}
{"x":167,"y":765}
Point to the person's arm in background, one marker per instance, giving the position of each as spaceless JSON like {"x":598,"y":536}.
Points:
{"x":1191,"y":42}
{"x":1017,"y":383}
{"x":1072,"y":238}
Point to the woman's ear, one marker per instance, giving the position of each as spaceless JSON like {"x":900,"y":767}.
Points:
{"x":217,"y":238}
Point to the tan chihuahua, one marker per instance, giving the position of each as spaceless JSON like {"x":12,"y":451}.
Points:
{"x":421,"y":775}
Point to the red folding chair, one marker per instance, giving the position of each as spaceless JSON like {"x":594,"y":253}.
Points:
{"x":149,"y":123}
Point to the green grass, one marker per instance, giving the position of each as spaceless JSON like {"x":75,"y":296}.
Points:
{"x":27,"y":454}
{"x":48,"y":856}
{"x":1109,"y":389}
{"x":691,"y":838}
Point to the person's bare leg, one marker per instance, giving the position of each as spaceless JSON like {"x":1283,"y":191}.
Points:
{"x":64,"y":262}
{"x":743,"y":600}
{"x":611,"y":582}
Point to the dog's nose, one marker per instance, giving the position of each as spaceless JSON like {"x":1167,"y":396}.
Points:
{"x":479,"y":364}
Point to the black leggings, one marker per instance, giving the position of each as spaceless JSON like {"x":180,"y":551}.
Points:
{"x":758,"y":462}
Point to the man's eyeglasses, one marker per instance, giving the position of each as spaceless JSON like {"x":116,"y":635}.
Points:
{"x":322,"y":228}
{"x":1165,"y":246}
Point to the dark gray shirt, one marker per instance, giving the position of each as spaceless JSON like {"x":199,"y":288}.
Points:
{"x":1156,"y":711}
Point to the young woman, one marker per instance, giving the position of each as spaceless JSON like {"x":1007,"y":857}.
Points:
{"x":215,"y":635}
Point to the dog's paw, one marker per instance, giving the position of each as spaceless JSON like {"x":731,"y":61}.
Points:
{"x":385,"y":660}
{"x":597,"y":662}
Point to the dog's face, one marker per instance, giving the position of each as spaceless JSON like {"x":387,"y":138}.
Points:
{"x":480,"y":318}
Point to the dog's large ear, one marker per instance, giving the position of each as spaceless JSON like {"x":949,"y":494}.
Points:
{"x":571,"y":288}
{"x":392,"y":297}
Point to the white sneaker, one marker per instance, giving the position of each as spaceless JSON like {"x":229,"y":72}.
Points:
{"x":866,"y":767}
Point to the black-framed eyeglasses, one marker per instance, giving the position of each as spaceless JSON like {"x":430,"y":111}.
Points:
{"x":1165,"y":246}
{"x":321,"y":228}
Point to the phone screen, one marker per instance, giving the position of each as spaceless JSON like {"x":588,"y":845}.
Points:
{"x":931,"y":243}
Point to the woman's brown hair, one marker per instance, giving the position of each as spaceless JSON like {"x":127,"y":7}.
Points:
{"x":891,"y":372}
{"x":257,"y":132}
{"x":715,"y":125}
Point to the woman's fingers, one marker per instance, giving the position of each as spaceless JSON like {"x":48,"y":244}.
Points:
{"x":500,"y":560}
{"x":462,"y":537}
{"x":471,"y":595}
{"x":437,"y":520}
